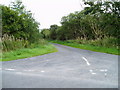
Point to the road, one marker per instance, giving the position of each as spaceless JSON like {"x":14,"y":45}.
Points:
{"x":67,"y":68}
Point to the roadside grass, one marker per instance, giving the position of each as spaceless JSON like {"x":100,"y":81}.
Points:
{"x":28,"y":52}
{"x":89,"y":47}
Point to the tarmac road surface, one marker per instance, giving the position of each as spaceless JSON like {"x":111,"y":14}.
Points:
{"x":67,"y":68}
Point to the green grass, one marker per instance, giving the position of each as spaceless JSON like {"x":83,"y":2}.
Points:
{"x":28,"y":52}
{"x":89,"y":47}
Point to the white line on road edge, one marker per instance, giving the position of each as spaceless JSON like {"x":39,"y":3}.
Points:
{"x":86,"y":61}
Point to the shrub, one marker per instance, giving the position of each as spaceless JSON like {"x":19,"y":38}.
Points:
{"x":11,"y":43}
{"x":106,"y":42}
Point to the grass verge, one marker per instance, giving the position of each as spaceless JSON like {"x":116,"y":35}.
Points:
{"x":28,"y":52}
{"x":89,"y":47}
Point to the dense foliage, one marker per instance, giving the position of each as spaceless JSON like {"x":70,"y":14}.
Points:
{"x":19,"y":28}
{"x":98,"y":21}
{"x":18,"y":22}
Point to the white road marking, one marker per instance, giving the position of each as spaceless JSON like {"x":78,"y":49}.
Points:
{"x":105,"y":74}
{"x":0,"y":68}
{"x":106,"y":70}
{"x":93,"y":73}
{"x":103,"y":70}
{"x":91,"y":70}
{"x":86,"y":61}
{"x":42,"y":71}
{"x":10,"y":69}
{"x":28,"y":70}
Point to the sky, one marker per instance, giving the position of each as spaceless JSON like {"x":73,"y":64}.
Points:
{"x":49,"y":12}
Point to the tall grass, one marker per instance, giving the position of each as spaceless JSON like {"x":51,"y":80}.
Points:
{"x":109,"y":42}
{"x":10,"y":43}
{"x":14,"y":48}
{"x":106,"y":45}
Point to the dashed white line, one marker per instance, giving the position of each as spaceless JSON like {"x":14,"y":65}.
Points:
{"x":105,"y":74}
{"x":42,"y":71}
{"x":103,"y":70}
{"x":93,"y":73}
{"x":28,"y":70}
{"x":10,"y":69}
{"x":91,"y":70}
{"x":86,"y":61}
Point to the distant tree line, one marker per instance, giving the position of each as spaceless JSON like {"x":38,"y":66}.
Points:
{"x":98,"y":20}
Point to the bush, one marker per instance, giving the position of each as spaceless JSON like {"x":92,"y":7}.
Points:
{"x":11,"y":43}
{"x":106,"y":42}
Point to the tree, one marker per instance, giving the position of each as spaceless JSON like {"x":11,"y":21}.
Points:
{"x":45,"y":33}
{"x":53,"y":31}
{"x":20,"y":22}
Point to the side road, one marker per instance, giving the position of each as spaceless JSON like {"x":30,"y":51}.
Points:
{"x":67,"y":68}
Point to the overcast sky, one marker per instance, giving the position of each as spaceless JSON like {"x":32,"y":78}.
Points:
{"x":49,"y":12}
